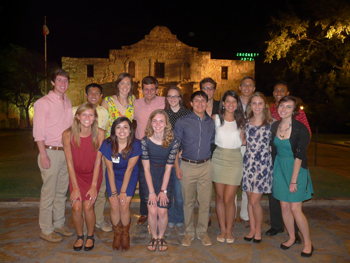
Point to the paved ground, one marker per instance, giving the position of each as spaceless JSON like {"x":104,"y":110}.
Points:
{"x":329,"y":228}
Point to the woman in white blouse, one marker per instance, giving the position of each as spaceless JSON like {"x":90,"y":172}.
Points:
{"x":227,"y":161}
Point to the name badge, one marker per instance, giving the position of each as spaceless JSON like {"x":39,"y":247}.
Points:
{"x":115,"y":160}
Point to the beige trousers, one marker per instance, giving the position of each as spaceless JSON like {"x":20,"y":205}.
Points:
{"x":196,"y":178}
{"x":53,"y":192}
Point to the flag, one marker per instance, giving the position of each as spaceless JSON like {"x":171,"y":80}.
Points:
{"x":45,"y":30}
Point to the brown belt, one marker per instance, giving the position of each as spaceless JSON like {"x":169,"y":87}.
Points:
{"x":54,"y":148}
{"x":196,"y":162}
{"x":155,"y":165}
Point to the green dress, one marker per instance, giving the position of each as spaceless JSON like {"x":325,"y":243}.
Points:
{"x":282,"y":175}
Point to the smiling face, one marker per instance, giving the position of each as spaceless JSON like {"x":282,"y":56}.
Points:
{"x":86,"y":118}
{"x":149,"y":91}
{"x":122,"y":131}
{"x":230,"y":104}
{"x":125,"y":86}
{"x":199,"y":105}
{"x":158,"y":123}
{"x":209,"y":89}
{"x":285,"y":109}
{"x":247,"y":88}
{"x":94,"y":95}
{"x":258,"y":105}
{"x":60,"y":85}
{"x":173,"y":98}
{"x":280,"y":91}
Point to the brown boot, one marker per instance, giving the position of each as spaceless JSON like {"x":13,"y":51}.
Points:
{"x":117,"y":236}
{"x":125,"y":237}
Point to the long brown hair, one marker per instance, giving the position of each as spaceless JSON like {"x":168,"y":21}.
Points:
{"x":76,"y":126}
{"x":266,"y":119}
{"x":120,"y":78}
{"x":113,"y":139}
{"x":168,"y":132}
{"x":181,"y":101}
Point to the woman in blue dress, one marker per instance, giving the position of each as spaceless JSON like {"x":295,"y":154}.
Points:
{"x":121,"y":152}
{"x":292,"y":182}
{"x":257,"y":161}
{"x":159,"y":148}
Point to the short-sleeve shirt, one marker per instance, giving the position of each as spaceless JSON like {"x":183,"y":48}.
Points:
{"x":119,"y":164}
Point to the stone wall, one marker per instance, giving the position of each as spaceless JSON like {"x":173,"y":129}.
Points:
{"x":160,"y":46}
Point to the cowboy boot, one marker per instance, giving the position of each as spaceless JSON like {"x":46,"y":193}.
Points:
{"x":125,"y":237}
{"x":117,"y":236}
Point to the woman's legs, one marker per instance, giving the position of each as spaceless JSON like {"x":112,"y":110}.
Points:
{"x":78,"y":221}
{"x":89,"y":220}
{"x":303,"y":225}
{"x":162,"y":224}
{"x":255,"y":212}
{"x":220,"y":208}
{"x":230,"y":208}
{"x":288,"y":220}
{"x":125,"y":211}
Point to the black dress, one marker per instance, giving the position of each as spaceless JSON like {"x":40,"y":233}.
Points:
{"x":158,"y":157}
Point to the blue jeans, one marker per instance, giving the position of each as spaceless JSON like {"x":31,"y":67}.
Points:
{"x":176,"y":211}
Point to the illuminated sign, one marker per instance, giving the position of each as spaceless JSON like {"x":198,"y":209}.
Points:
{"x":247,"y":56}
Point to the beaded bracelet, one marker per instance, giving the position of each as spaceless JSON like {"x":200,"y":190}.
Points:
{"x":151,"y":193}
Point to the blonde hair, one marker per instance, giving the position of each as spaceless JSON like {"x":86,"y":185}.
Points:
{"x":168,"y":133}
{"x":267,"y":119}
{"x":76,"y":127}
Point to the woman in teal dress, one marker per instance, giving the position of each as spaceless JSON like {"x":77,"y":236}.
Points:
{"x":291,"y":178}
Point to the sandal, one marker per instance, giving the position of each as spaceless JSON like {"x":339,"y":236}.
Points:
{"x":162,"y":245}
{"x":78,"y":248}
{"x":153,"y":244}
{"x":93,"y":243}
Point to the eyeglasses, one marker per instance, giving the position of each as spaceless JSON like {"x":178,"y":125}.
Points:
{"x":208,"y":88}
{"x":173,"y":97}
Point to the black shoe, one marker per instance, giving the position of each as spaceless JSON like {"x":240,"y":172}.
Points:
{"x":285,"y":247}
{"x":93,"y":243}
{"x":79,"y":248}
{"x":297,"y":239}
{"x":274,"y":231}
{"x":256,"y":240}
{"x":248,"y":239}
{"x":307,"y":255}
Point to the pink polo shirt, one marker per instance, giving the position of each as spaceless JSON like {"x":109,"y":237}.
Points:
{"x":52,"y":116}
{"x":143,"y":111}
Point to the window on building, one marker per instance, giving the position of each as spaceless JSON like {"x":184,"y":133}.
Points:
{"x":187,"y":70}
{"x":90,"y":71}
{"x":159,"y":70}
{"x":132,"y":69}
{"x":224,"y":72}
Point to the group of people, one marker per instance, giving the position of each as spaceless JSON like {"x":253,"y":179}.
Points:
{"x":175,"y":154}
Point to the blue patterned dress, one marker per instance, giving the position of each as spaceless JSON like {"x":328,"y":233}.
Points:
{"x":257,"y":160}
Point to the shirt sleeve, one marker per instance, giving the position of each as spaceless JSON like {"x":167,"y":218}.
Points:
{"x":173,"y":151}
{"x":106,"y":150}
{"x":302,"y":118}
{"x":145,"y":154}
{"x":39,"y":131}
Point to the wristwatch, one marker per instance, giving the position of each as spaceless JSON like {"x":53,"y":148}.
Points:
{"x":164,"y":191}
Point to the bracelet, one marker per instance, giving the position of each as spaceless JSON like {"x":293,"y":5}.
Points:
{"x":151,"y":193}
{"x":114,"y":193}
{"x":122,"y":193}
{"x":294,"y":183}
{"x":76,"y":189}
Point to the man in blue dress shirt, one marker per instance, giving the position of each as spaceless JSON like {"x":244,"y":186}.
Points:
{"x":196,"y":132}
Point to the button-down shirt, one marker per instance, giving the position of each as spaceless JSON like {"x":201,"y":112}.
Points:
{"x":143,"y":111}
{"x":102,"y":114}
{"x":196,"y":135}
{"x":52,"y":116}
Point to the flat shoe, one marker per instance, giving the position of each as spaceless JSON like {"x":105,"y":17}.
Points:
{"x":248,"y":239}
{"x":162,"y":245}
{"x":220,"y":239}
{"x":256,"y":240}
{"x":93,"y":243}
{"x":230,"y":241}
{"x":307,"y":255}
{"x":153,"y":244}
{"x":79,"y":248}
{"x":285,"y":247}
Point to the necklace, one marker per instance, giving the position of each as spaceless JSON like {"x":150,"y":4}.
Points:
{"x":121,"y":103}
{"x":285,"y":131}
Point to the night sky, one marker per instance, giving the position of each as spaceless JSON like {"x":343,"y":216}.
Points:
{"x":92,"y":28}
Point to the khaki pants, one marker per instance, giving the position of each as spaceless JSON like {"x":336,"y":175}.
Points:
{"x":196,"y":177}
{"x":53,"y":192}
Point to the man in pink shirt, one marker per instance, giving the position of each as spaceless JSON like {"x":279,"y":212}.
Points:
{"x":143,"y":109}
{"x":53,"y":115}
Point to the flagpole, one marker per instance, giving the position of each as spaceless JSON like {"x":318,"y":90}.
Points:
{"x":45,"y":62}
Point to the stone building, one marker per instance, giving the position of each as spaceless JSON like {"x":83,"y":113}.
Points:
{"x":159,"y":54}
